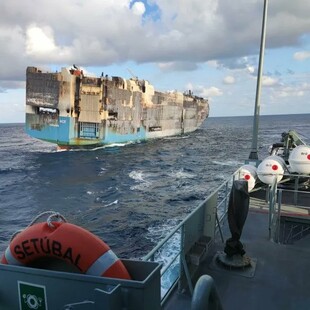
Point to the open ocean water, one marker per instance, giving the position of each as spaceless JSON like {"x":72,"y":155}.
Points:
{"x":129,"y":195}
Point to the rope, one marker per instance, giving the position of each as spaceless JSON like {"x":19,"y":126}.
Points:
{"x":57,"y":218}
{"x":53,"y":216}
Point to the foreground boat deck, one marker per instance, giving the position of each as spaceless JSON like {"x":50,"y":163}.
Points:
{"x":280,"y":279}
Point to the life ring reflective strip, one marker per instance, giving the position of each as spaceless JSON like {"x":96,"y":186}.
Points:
{"x":66,"y":242}
{"x":9,"y":259}
{"x":103,"y":263}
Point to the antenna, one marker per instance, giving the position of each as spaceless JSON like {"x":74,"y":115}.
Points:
{"x":253,"y":154}
{"x":134,"y":77}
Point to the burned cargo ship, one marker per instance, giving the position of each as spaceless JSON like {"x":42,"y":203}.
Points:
{"x":75,"y":110}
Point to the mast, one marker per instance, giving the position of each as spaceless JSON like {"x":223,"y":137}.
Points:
{"x":253,"y":154}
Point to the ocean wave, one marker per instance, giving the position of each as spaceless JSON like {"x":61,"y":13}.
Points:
{"x":231,"y":163}
{"x":6,"y":170}
{"x":146,"y":189}
{"x":17,"y":168}
{"x":166,"y":255}
{"x":102,"y":171}
{"x":181,"y":174}
{"x":115,"y":202}
{"x":159,"y":231}
{"x":104,"y":203}
{"x":139,"y":177}
{"x":101,"y":147}
{"x":176,"y":137}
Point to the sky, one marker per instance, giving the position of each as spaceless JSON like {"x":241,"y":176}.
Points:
{"x":210,"y":47}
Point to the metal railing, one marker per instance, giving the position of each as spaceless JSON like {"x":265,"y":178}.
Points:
{"x":205,"y":220}
{"x":290,"y":202}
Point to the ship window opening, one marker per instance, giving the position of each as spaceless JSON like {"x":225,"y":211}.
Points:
{"x":89,"y":130}
{"x":155,"y":128}
{"x":47,"y":110}
{"x":113,"y":115}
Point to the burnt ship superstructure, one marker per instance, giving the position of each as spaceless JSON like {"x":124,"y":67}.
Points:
{"x":74,"y":110}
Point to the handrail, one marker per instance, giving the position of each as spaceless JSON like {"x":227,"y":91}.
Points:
{"x":178,"y":255}
{"x":161,"y":243}
{"x":293,"y":208}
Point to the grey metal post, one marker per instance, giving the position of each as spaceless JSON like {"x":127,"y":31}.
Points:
{"x":270,"y":212}
{"x":296,"y":190}
{"x":184,"y":265}
{"x":279,"y":215}
{"x":253,"y":154}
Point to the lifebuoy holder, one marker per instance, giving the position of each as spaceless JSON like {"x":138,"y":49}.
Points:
{"x":69,"y":243}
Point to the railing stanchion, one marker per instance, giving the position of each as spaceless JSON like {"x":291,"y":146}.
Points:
{"x":270,"y":212}
{"x":219,"y":227}
{"x":296,"y":189}
{"x":279,"y":214}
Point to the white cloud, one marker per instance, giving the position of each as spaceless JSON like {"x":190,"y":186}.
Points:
{"x":138,"y":8}
{"x":96,"y":32}
{"x":12,"y":106}
{"x":209,"y":92}
{"x":41,"y":46}
{"x":213,"y":64}
{"x":176,"y":35}
{"x":204,"y":92}
{"x":299,"y":90}
{"x":238,"y":64}
{"x":269,"y":81}
{"x":39,"y":40}
{"x":251,"y":69}
{"x":177,"y":66}
{"x":229,"y":79}
{"x":300,"y":56}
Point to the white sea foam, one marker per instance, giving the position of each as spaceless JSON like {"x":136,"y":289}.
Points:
{"x":139,"y":178}
{"x":176,"y":137}
{"x":115,"y":202}
{"x":47,"y":150}
{"x":231,"y":163}
{"x":116,"y":144}
{"x":102,"y":171}
{"x":181,"y":174}
{"x":166,"y":254}
{"x":58,"y":150}
{"x":97,"y":148}
{"x":160,"y":231}
{"x":136,"y":175}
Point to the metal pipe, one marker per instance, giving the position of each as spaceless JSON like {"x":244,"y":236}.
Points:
{"x":205,"y":295}
{"x":253,"y":154}
{"x":279,"y":215}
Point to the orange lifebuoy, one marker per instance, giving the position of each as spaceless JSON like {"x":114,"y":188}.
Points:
{"x":67,"y":242}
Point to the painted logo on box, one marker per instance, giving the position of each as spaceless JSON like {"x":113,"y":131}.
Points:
{"x":31,"y":296}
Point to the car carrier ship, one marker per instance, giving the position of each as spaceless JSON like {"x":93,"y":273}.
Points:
{"x":75,"y":110}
